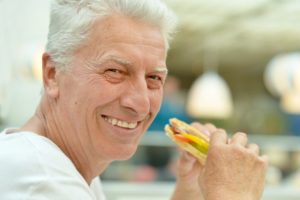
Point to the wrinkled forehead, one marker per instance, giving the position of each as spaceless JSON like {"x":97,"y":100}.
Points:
{"x":112,"y":36}
{"x":118,"y":28}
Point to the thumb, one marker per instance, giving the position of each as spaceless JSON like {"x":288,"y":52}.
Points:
{"x":187,"y":164}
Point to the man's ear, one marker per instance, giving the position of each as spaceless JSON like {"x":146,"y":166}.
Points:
{"x":50,"y":76}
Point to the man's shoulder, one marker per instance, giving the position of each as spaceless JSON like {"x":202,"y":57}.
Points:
{"x":17,"y":147}
{"x":21,"y":154}
{"x":32,"y":165}
{"x":31,"y":151}
{"x":23,"y":146}
{"x":20,"y":164}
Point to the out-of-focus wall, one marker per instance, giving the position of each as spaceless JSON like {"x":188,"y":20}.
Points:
{"x":23,"y":24}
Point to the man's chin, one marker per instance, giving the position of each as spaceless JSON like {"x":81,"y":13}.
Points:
{"x":125,"y":153}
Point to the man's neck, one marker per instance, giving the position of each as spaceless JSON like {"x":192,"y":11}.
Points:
{"x":44,"y":123}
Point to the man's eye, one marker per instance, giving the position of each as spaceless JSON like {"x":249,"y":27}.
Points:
{"x":114,"y":70}
{"x":155,"y":82}
{"x":156,"y":78}
{"x":114,"y":75}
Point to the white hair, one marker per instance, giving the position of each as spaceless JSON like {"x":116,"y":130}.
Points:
{"x":71,"y":21}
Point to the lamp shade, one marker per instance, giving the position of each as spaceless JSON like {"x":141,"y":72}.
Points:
{"x":282,"y":79}
{"x":209,"y":97}
{"x":283,"y":73}
{"x":290,"y":101}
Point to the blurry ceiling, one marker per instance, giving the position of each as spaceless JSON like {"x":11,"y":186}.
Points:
{"x":239,"y":37}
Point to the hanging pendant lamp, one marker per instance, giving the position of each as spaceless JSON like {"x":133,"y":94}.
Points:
{"x":209,"y":96}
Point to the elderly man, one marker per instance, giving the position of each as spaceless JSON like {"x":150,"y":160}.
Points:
{"x":103,"y":74}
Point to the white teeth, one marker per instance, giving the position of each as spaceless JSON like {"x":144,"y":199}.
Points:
{"x":114,"y":121}
{"x":120,"y":123}
{"x":132,"y":125}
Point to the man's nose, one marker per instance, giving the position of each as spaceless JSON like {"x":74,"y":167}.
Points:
{"x":136,"y":98}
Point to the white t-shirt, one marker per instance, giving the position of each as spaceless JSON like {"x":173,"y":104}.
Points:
{"x":32,"y":167}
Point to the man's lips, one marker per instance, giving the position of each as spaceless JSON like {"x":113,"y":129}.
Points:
{"x":120,"y":123}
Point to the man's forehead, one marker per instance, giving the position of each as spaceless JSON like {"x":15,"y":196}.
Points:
{"x":118,"y":29}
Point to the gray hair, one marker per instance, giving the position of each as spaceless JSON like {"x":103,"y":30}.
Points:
{"x":72,"y":19}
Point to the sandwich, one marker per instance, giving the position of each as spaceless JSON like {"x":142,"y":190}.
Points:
{"x":188,"y":138}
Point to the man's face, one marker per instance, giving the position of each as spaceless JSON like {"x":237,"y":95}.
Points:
{"x":114,"y":87}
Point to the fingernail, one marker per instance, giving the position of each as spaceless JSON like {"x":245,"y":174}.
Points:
{"x":206,"y":132}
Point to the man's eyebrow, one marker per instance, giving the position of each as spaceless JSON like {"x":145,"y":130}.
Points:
{"x":161,"y":70}
{"x":110,"y":58}
{"x":124,"y":62}
{"x":119,"y":60}
{"x":128,"y":63}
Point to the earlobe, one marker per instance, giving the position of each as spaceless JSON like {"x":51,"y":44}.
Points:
{"x":50,"y":76}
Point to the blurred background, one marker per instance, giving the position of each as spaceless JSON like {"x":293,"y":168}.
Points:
{"x":232,"y":63}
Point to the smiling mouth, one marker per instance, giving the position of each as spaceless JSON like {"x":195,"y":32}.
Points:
{"x":120,"y":123}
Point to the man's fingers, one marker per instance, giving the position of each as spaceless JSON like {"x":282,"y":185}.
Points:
{"x":210,"y":127}
{"x":218,"y":137}
{"x":265,"y":158}
{"x":240,"y":139}
{"x":201,"y":128}
{"x":253,"y":148}
{"x":186,"y":163}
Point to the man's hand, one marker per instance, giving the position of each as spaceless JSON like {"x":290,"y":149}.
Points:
{"x":234,"y":170}
{"x":189,"y":170}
